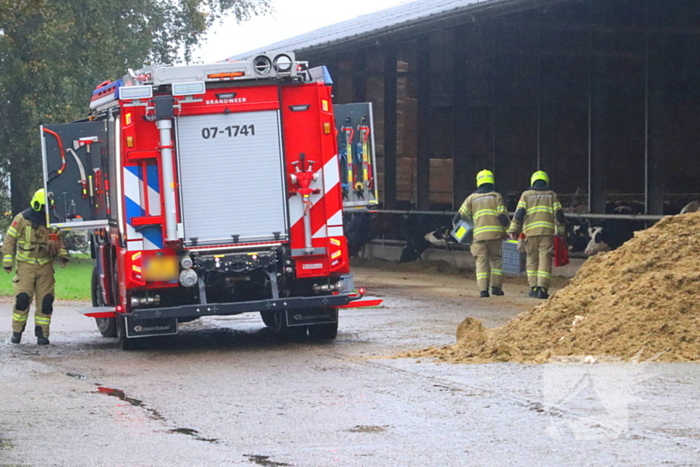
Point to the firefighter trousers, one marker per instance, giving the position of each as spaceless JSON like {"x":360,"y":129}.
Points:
{"x":33,"y":282}
{"x":489,"y":262}
{"x":539,"y":250}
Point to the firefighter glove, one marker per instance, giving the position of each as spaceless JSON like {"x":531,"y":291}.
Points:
{"x":64,"y":262}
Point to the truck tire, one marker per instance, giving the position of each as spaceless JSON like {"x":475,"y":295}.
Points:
{"x":323,"y":332}
{"x":107,"y":326}
{"x":276,"y":322}
{"x":269,"y":318}
{"x":123,"y":342}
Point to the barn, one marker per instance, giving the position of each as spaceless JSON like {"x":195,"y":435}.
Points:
{"x":602,"y":94}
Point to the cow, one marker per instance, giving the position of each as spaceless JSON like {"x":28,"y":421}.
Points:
{"x":577,"y":234}
{"x":610,"y":234}
{"x":440,"y":237}
{"x":417,"y":230}
{"x":693,"y":206}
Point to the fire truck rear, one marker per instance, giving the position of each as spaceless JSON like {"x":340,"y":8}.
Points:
{"x":209,"y":190}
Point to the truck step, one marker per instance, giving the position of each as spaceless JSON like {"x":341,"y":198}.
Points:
{"x":364,"y":302}
{"x":98,"y":312}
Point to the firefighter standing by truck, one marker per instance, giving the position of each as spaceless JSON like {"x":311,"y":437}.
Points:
{"x":35,"y":247}
{"x":539,"y":217}
{"x":485,"y":207}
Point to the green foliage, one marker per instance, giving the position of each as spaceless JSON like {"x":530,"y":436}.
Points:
{"x":54,"y":52}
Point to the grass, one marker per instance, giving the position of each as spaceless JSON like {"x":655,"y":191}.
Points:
{"x":72,"y":282}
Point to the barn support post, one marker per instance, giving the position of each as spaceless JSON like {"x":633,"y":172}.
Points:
{"x":463,"y":148}
{"x":424,"y":143}
{"x":390,"y":127}
{"x":500,"y":159}
{"x":597,"y":165}
{"x":654,"y":118}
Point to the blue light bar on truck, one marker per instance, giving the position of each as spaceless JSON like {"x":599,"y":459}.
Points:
{"x":188,"y":89}
{"x":135,"y":92}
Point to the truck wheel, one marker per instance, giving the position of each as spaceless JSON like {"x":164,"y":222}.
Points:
{"x":271,"y":320}
{"x":123,"y":342}
{"x":276,"y":322}
{"x":107,"y":326}
{"x":323,"y":332}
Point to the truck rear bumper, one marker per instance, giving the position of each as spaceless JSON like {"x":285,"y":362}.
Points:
{"x":222,"y":309}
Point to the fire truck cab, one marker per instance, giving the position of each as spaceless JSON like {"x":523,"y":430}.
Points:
{"x":208,"y":190}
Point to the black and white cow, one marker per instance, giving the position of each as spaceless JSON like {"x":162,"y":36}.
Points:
{"x":419,"y":232}
{"x":610,"y":234}
{"x":577,"y":234}
{"x":440,"y":237}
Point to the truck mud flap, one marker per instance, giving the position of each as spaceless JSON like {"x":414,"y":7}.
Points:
{"x":305,"y":317}
{"x":150,"y":327}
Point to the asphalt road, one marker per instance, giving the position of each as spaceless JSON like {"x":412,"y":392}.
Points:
{"x":226,"y":392}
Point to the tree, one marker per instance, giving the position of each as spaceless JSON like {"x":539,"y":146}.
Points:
{"x":54,"y":52}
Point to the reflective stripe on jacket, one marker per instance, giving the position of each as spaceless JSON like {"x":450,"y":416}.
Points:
{"x":484,"y":209}
{"x":540,"y":208}
{"x":29,"y":243}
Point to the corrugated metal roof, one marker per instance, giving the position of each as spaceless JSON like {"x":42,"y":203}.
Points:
{"x":396,"y":17}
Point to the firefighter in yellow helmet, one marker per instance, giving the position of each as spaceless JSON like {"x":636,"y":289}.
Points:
{"x":33,"y":247}
{"x":485,"y":207}
{"x":539,"y":217}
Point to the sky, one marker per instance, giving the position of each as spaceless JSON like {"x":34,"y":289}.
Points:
{"x":291,"y":18}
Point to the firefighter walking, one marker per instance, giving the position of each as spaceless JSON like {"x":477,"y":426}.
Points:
{"x":539,"y":217}
{"x":485,"y":207}
{"x":33,"y":247}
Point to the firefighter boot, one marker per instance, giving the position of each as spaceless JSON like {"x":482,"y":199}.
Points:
{"x":16,"y":337}
{"x":497,"y":291}
{"x":484,"y":294}
{"x":40,"y":339}
{"x":533,"y":292}
{"x":542,"y":293}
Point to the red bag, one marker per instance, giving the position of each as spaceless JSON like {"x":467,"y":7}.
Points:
{"x":561,"y":252}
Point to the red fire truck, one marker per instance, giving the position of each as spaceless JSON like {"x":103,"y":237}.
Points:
{"x":208,"y":190}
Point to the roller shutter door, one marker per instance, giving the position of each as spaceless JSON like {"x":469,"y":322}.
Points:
{"x":231,"y":176}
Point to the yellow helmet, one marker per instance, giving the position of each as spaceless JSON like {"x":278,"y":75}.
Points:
{"x":539,"y":175}
{"x":38,"y":200}
{"x":485,"y":176}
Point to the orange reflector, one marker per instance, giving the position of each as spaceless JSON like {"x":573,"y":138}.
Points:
{"x":127,"y":119}
{"x":327,"y":128}
{"x":324,"y":105}
{"x":129,"y":141}
{"x":234,"y":74}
